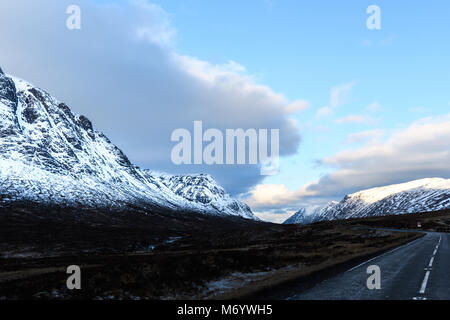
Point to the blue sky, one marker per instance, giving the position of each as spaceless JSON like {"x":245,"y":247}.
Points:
{"x":378,"y":99}
{"x":304,"y":48}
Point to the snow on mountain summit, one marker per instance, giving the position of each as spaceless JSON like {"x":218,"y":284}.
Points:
{"x":376,"y":194}
{"x":202,"y":188}
{"x":424,"y":195}
{"x":51,"y":156}
{"x":310,"y":214}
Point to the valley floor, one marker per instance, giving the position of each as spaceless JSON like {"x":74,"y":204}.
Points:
{"x":163,"y":255}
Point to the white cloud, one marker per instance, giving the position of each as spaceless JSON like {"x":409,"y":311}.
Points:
{"x":269,"y":195}
{"x":338,"y":97}
{"x":324,"y":112}
{"x":159,"y":30}
{"x":297,"y":106}
{"x":370,"y":136}
{"x":421,"y":150}
{"x":274,"y":217}
{"x":276,"y":196}
{"x":123,"y":71}
{"x":350,"y":119}
{"x":354,"y":118}
{"x":339,"y":94}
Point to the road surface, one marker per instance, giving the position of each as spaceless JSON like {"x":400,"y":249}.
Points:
{"x":419,"y":270}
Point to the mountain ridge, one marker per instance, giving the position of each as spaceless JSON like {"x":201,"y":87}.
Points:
{"x":52,"y":156}
{"x":423,"y":195}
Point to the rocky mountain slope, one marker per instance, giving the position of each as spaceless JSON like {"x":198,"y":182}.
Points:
{"x":310,"y":215}
{"x":52,"y":156}
{"x":423,"y":195}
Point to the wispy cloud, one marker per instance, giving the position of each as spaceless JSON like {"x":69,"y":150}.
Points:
{"x":297,"y":106}
{"x":354,"y":118}
{"x":338,"y":97}
{"x":324,"y":112}
{"x":339,"y":94}
{"x":368,"y":136}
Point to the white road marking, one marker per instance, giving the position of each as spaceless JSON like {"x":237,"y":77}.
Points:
{"x":359,"y":265}
{"x":395,"y":249}
{"x":424,"y":283}
{"x":427,"y":274}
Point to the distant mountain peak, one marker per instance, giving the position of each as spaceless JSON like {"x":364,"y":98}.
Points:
{"x":424,"y":195}
{"x":310,"y":214}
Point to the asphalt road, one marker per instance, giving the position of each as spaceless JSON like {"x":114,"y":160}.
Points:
{"x":419,"y":270}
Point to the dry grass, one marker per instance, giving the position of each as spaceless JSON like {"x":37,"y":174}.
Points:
{"x":247,"y":257}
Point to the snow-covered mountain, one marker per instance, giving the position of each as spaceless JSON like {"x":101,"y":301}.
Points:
{"x":203,"y":189}
{"x":310,"y":214}
{"x":51,"y":156}
{"x":423,"y":195}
